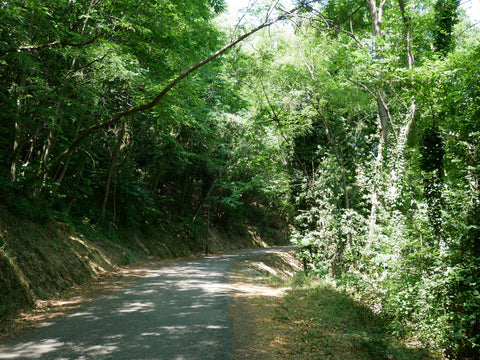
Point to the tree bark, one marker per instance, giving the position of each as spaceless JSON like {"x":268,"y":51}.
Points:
{"x":113,"y":166}
{"x":376,"y":14}
{"x":18,"y":131}
{"x":60,"y":175}
{"x":16,"y":146}
{"x":407,"y":25}
{"x":397,"y":171}
{"x":383,"y":116}
{"x":75,"y":189}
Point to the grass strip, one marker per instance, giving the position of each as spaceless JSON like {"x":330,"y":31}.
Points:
{"x":325,"y":323}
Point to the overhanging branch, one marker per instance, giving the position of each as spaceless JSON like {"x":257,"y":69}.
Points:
{"x":116,"y":118}
{"x":52,"y":44}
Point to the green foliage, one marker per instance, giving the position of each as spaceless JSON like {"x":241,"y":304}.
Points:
{"x":349,"y":15}
{"x":446,"y":16}
{"x":403,"y":255}
{"x":56,"y":91}
{"x":375,"y":159}
{"x":325,"y":319}
{"x":432,"y":150}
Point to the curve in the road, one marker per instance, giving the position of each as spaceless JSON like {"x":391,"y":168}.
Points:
{"x":175,"y":312}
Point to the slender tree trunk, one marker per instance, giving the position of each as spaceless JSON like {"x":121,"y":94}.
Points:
{"x":399,"y":164}
{"x":75,"y":188}
{"x":383,"y":116}
{"x":208,"y":227}
{"x":113,"y":166}
{"x":33,"y":142}
{"x":114,"y":196}
{"x":18,"y":130}
{"x":376,"y":15}
{"x":374,"y":199}
{"x":407,"y":26}
{"x":60,"y":175}
{"x":47,"y":147}
{"x":48,"y":144}
{"x":16,"y":145}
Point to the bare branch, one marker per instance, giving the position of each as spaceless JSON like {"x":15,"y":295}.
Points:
{"x":363,"y":86}
{"x":84,"y":66}
{"x":349,"y":33}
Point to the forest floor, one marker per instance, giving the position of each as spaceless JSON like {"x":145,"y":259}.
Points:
{"x":280,"y":316}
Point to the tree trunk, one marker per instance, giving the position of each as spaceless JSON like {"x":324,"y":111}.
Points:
{"x":383,"y":116}
{"x":399,"y":164}
{"x":60,"y":175}
{"x":18,"y":131}
{"x":374,"y":206}
{"x":407,"y":22}
{"x":15,"y":148}
{"x":113,"y":166}
{"x":376,"y":14}
{"x":208,"y":227}
{"x":75,"y":188}
{"x":47,"y":146}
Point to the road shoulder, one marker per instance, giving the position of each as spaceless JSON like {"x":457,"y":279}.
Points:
{"x":260,"y":284}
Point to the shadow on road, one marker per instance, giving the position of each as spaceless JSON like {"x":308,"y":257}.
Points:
{"x":176,"y":312}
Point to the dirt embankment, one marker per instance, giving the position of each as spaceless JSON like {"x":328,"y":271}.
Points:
{"x":42,"y":264}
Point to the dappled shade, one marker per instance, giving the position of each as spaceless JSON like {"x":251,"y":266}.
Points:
{"x":175,"y":312}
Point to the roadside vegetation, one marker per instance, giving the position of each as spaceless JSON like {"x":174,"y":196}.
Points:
{"x":303,"y":317}
{"x":328,"y":323}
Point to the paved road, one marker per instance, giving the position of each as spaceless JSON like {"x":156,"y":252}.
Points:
{"x":176,"y":312}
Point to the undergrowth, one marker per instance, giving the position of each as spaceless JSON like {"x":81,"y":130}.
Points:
{"x":317,"y":319}
{"x":327,"y":323}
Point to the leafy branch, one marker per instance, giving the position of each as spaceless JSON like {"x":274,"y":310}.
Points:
{"x":132,"y":110}
{"x":52,"y":44}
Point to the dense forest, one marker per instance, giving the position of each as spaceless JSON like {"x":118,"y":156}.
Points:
{"x":357,"y":122}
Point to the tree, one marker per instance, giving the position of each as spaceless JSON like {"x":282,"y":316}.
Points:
{"x":403,"y":136}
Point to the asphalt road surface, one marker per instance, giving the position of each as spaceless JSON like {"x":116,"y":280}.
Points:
{"x":177,"y":312}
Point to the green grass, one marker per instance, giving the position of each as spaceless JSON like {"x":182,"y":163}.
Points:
{"x":326,"y":323}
